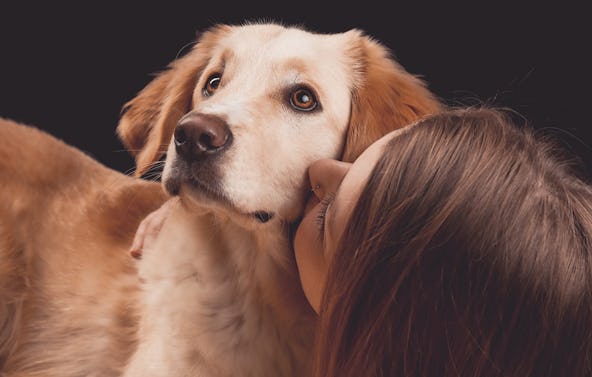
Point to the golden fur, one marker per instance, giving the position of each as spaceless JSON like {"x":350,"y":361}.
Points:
{"x":71,"y":302}
{"x":67,"y":285}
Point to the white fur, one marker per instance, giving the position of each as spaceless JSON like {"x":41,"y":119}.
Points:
{"x":221,"y":295}
{"x":217,"y":302}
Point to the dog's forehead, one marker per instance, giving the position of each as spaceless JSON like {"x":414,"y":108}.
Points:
{"x":276,"y":44}
{"x":268,"y":56}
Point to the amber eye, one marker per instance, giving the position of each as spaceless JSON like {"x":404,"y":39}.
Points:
{"x":212,"y":84}
{"x":302,"y":99}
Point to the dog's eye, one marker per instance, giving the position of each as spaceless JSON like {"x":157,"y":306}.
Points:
{"x":212,"y":84}
{"x":302,"y":99}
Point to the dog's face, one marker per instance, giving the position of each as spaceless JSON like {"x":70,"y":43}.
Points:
{"x":245,"y":112}
{"x":269,"y":101}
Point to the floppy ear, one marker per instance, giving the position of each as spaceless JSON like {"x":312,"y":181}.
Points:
{"x":385,"y":96}
{"x":148,"y":121}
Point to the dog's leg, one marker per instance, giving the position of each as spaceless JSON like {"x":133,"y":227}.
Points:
{"x":149,"y":228}
{"x":170,"y":326}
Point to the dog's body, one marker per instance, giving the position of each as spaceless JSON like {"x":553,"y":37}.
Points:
{"x":251,"y":107}
{"x":67,"y":285}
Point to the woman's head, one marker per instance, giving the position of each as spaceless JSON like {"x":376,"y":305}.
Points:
{"x":465,"y":251}
{"x":336,"y":189}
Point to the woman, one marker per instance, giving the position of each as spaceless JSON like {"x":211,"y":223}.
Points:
{"x":459,"y":246}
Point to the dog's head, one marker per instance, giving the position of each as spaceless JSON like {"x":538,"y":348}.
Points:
{"x":242,"y":115}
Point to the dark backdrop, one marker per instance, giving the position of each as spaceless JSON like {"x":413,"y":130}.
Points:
{"x":68,"y":68}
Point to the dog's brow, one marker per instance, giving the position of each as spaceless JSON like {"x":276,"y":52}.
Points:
{"x":226,"y":55}
{"x":295,"y":64}
{"x":220,"y":60}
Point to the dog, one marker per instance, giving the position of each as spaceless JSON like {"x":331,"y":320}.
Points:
{"x":238,"y":119}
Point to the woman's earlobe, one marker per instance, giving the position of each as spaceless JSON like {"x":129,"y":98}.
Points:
{"x":326,"y":175}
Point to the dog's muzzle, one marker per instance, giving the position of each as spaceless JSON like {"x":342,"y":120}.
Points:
{"x":200,"y":140}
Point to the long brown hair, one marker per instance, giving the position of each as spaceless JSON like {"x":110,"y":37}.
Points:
{"x":468,"y":254}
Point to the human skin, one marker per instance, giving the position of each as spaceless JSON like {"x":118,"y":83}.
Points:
{"x":336,"y":188}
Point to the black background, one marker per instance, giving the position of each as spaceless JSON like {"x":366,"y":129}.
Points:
{"x":68,"y":68}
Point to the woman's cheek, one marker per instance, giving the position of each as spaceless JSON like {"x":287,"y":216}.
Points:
{"x":308,"y":249}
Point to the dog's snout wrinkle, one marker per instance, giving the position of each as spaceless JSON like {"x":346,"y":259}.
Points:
{"x":197,"y":135}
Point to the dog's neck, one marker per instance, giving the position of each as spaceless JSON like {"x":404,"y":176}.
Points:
{"x":222,"y":297}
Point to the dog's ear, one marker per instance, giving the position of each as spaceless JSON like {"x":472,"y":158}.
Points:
{"x":385,"y":96}
{"x":148,"y":120}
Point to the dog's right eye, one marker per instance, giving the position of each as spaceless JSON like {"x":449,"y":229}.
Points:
{"x":212,"y":84}
{"x":303,"y":99}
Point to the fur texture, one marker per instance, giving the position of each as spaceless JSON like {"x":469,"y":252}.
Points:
{"x":217,"y":293}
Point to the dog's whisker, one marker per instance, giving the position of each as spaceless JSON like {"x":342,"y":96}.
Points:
{"x":180,"y":52}
{"x":154,"y":178}
{"x":130,"y":171}
{"x":156,"y":166}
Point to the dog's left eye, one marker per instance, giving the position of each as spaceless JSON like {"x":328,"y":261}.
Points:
{"x":303,"y":99}
{"x":212,"y":84}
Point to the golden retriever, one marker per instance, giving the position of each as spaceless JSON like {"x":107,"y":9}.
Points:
{"x":240,"y":117}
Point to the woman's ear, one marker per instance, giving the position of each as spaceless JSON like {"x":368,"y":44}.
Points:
{"x":148,"y":120}
{"x":385,"y":96}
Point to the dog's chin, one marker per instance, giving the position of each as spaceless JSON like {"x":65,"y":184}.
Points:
{"x":206,"y":195}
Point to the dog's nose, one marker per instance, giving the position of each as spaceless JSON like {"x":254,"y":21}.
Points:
{"x":197,"y":135}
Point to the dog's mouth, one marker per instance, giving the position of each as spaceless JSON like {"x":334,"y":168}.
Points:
{"x":207,"y":193}
{"x":262,"y":216}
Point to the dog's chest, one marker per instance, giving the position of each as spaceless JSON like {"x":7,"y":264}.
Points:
{"x":215,"y":303}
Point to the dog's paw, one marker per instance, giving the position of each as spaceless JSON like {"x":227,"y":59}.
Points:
{"x":149,"y":229}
